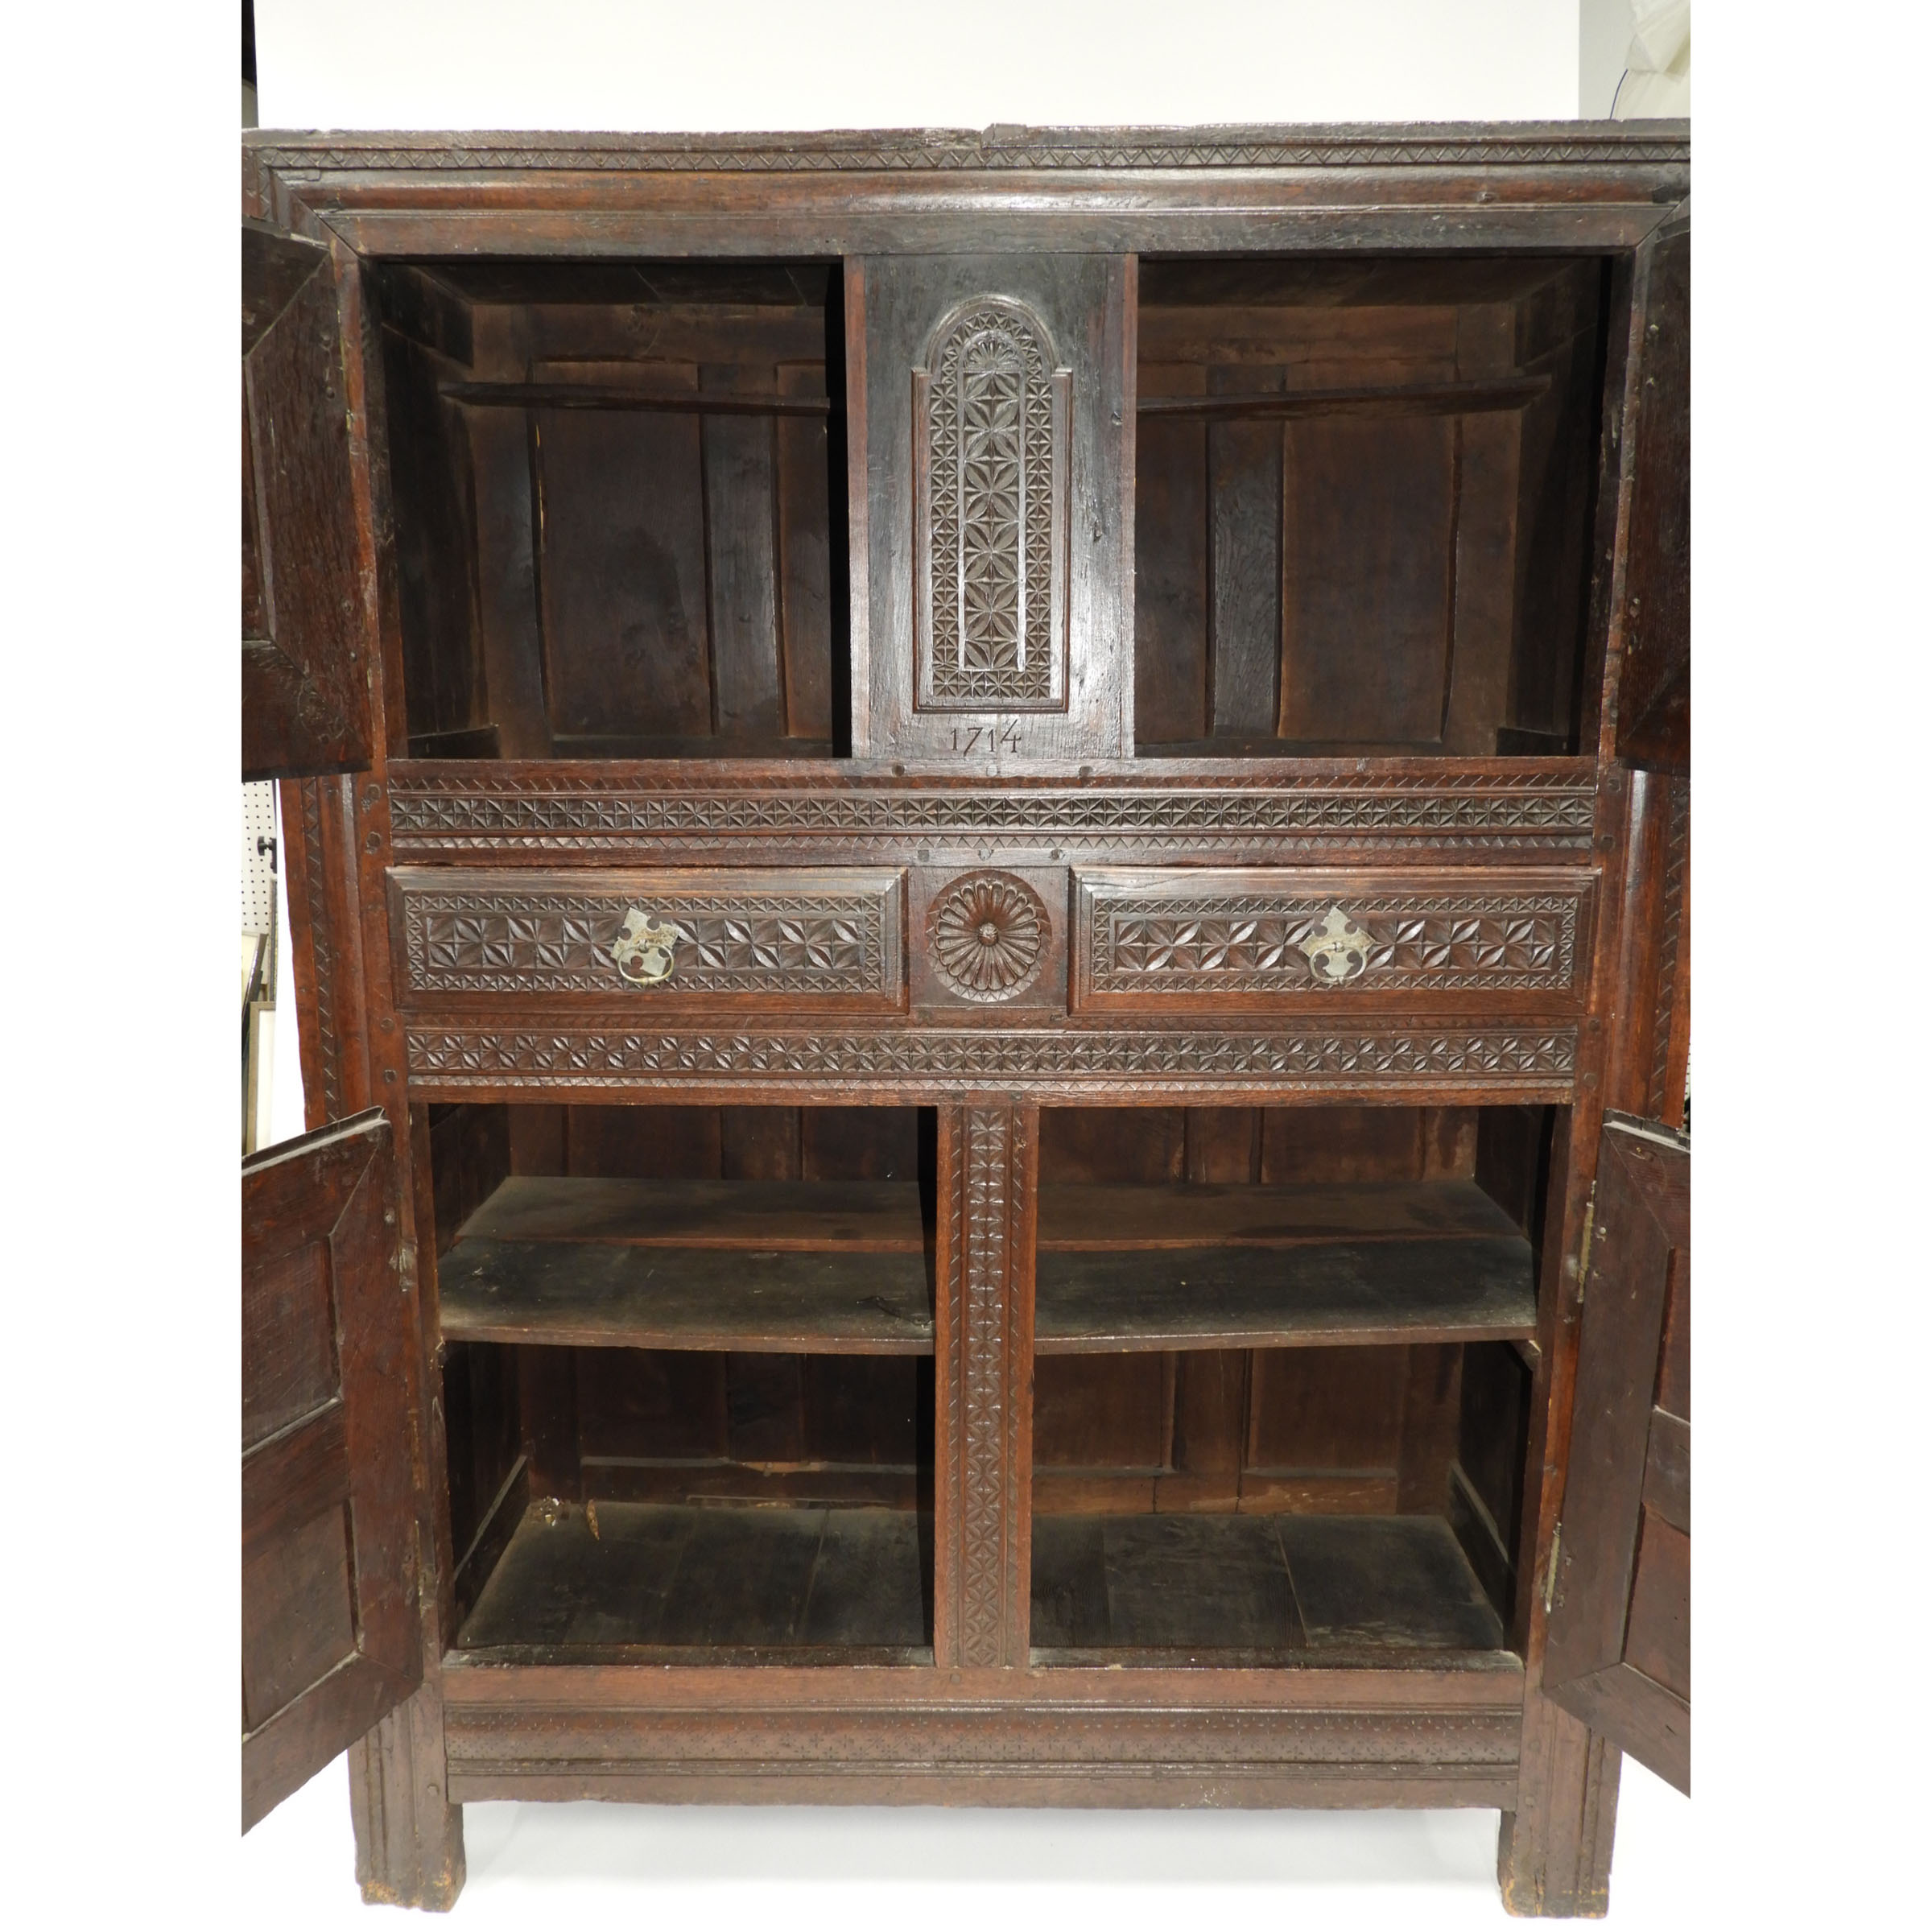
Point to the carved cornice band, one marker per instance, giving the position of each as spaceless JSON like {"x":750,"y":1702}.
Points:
{"x":926,"y":150}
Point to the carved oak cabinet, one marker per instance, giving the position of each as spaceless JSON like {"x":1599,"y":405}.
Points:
{"x":986,"y":834}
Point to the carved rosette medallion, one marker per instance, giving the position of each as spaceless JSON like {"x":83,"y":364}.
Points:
{"x":987,"y":934}
{"x":990,"y":432}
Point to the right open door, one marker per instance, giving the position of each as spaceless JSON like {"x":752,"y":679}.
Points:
{"x":1619,"y":1650}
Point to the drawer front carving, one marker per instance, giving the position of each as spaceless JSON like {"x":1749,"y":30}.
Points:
{"x":1219,"y":939}
{"x":652,"y":940}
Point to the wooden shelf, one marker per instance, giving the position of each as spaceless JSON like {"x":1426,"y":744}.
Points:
{"x":699,"y":1580}
{"x":774,"y":1267}
{"x":1252,"y":1587}
{"x":1224,"y":1267}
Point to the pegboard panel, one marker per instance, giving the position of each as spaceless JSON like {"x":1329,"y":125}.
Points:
{"x":259,"y":850}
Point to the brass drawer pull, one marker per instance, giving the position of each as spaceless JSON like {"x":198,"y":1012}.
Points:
{"x":643,"y":952}
{"x":1338,"y":949}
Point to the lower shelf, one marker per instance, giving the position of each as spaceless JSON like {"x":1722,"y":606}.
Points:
{"x":1255,"y":1587}
{"x":723,"y":1583}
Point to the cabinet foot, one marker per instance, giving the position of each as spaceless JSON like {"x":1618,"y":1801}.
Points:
{"x":409,"y":1838}
{"x":1553,"y":1861}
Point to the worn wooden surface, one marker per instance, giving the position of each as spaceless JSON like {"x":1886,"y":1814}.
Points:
{"x":307,"y":571}
{"x":330,"y":1643}
{"x":1336,"y":1292}
{"x":1254,"y":1583}
{"x":635,"y":1577}
{"x":1480,"y":598}
{"x":1619,"y":1649}
{"x":619,"y":1295}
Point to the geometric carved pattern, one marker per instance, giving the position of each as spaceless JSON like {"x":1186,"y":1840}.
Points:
{"x":462,"y":940}
{"x":323,"y":975}
{"x":956,"y":1060}
{"x":938,"y":149}
{"x":987,"y":934}
{"x":546,"y":813}
{"x":986,"y":1425}
{"x":989,"y":423}
{"x":1254,"y":942}
{"x":1660,"y":1103}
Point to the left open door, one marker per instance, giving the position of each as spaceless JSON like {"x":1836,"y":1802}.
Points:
{"x":331,"y":1639}
{"x":308,"y":621}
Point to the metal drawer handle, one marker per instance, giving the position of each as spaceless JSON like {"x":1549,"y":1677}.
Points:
{"x":1338,"y":949}
{"x":643,"y":951}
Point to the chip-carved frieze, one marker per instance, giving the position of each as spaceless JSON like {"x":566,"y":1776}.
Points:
{"x":469,"y":941}
{"x":1264,"y":942}
{"x":558,"y":815}
{"x":955,"y":1059}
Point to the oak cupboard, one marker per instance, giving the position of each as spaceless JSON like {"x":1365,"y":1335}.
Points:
{"x":988,"y":845}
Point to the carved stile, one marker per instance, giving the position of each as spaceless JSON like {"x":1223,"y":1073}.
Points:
{"x":988,"y":1162}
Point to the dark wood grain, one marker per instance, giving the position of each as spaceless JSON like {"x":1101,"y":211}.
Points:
{"x":1097,"y":1217}
{"x":631,"y":1577}
{"x":1438,"y":332}
{"x":331,"y":1639}
{"x":1271,"y":1585}
{"x":1619,"y":1649}
{"x":823,"y":1215}
{"x":1310,"y":1293}
{"x":627,"y":1295}
{"x":307,"y":615}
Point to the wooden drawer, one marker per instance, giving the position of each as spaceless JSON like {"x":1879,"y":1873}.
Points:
{"x":799,"y":941}
{"x":1269,"y":939}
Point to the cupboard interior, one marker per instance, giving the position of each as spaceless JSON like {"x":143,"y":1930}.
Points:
{"x":688,"y":1379}
{"x":1364,"y":490}
{"x":619,"y":494}
{"x":1283,"y":1362}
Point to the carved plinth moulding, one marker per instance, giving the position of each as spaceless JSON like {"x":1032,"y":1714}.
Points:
{"x":991,"y":431}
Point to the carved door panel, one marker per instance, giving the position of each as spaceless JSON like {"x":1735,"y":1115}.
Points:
{"x":992,"y":516}
{"x":307,"y":621}
{"x":1654,"y":708}
{"x":1619,"y":1652}
{"x":331,"y":1639}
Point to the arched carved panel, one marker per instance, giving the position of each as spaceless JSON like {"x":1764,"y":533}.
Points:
{"x":991,"y":416}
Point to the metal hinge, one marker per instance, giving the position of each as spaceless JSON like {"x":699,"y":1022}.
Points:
{"x":1583,"y":1257}
{"x":1556,"y":1551}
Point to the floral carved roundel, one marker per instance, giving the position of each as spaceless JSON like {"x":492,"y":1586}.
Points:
{"x":987,"y":935}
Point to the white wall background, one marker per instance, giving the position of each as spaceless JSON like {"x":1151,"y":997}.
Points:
{"x":751,"y":64}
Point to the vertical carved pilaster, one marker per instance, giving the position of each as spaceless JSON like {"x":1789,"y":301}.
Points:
{"x":325,"y":954}
{"x":1670,"y":1047}
{"x":1553,"y":1858}
{"x":987,"y":1165}
{"x":409,"y":1837}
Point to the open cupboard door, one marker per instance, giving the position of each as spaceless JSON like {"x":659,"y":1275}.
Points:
{"x":1619,"y":1649}
{"x":331,"y":1640}
{"x":307,"y":611}
{"x":1653,"y":702}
